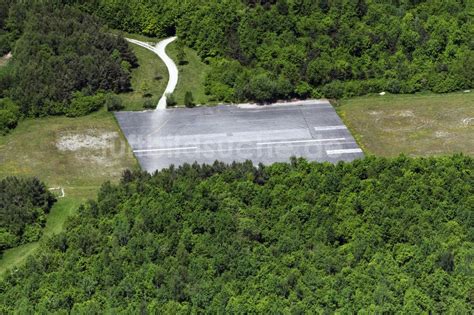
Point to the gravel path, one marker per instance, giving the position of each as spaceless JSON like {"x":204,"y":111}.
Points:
{"x":159,"y":49}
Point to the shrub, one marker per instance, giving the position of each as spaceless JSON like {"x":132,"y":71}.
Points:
{"x":148,"y":104}
{"x":9,"y":115}
{"x":188,"y":99}
{"x":84,"y":104}
{"x":7,"y":121}
{"x":180,"y":54}
{"x":447,"y":84}
{"x":335,"y":89}
{"x":113,"y":103}
{"x":170,"y":99}
{"x":219,"y":91}
{"x":303,"y":90}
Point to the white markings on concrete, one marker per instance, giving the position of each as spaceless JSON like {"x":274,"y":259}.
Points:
{"x":322,"y":128}
{"x":164,"y":149}
{"x":231,"y":149}
{"x":343,"y":151}
{"x":300,"y":141}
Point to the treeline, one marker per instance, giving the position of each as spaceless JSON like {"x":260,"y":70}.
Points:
{"x":63,"y":60}
{"x":24,"y":204}
{"x":264,"y":50}
{"x":372,"y":236}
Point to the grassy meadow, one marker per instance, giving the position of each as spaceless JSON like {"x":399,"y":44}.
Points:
{"x":416,"y":125}
{"x":149,"y":80}
{"x":76,"y":154}
{"x":191,"y":75}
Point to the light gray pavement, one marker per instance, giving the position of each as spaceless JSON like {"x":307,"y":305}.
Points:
{"x":228,"y":133}
{"x":160,"y":50}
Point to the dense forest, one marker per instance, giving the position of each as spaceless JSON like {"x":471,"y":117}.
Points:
{"x":63,"y":61}
{"x":258,"y":50}
{"x":269,"y":49}
{"x":376,"y":235}
{"x":24,"y":204}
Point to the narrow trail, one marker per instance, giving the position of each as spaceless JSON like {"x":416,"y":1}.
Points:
{"x":159,"y":49}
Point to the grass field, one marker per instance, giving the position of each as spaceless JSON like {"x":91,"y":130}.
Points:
{"x":150,"y":78}
{"x":191,"y":75}
{"x":416,"y":125}
{"x":77,"y":154}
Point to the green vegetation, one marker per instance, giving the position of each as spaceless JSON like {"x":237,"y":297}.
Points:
{"x":9,"y":115}
{"x":264,"y":50}
{"x":192,"y":75}
{"x":418,"y":125}
{"x":189,"y":99}
{"x":63,"y":57}
{"x":148,"y":80}
{"x":373,"y":236}
{"x":76,"y":154}
{"x":61,"y":210}
{"x":24,"y":204}
{"x":7,"y":30}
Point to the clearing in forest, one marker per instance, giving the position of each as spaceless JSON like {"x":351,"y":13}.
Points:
{"x":416,"y":125}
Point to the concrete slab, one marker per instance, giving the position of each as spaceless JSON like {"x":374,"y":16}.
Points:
{"x":262,"y":134}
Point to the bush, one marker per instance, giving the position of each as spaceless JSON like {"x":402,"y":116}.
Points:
{"x":447,"y":84}
{"x":180,"y":54}
{"x":113,"y":103}
{"x":188,"y":99}
{"x":219,"y":91}
{"x":148,"y":104}
{"x":9,"y":115}
{"x":7,"y":121}
{"x":303,"y":90}
{"x":394,"y":86}
{"x":82,"y":105}
{"x":170,"y":99}
{"x":335,"y":89}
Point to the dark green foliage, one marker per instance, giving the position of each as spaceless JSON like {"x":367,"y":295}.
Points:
{"x":113,"y":103}
{"x":180,"y":54}
{"x":149,"y":104}
{"x":170,"y":99}
{"x":24,"y":203}
{"x":188,"y":99}
{"x":62,"y":51}
{"x":9,"y":115}
{"x":84,"y":104}
{"x":372,"y":236}
{"x":302,"y":46}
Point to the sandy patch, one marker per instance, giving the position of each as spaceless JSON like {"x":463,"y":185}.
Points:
{"x":4,"y":59}
{"x":467,"y":121}
{"x":441,"y":134}
{"x":405,"y":113}
{"x":374,"y":113}
{"x":75,"y":142}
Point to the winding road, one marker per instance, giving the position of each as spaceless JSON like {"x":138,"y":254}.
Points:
{"x":159,"y":49}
